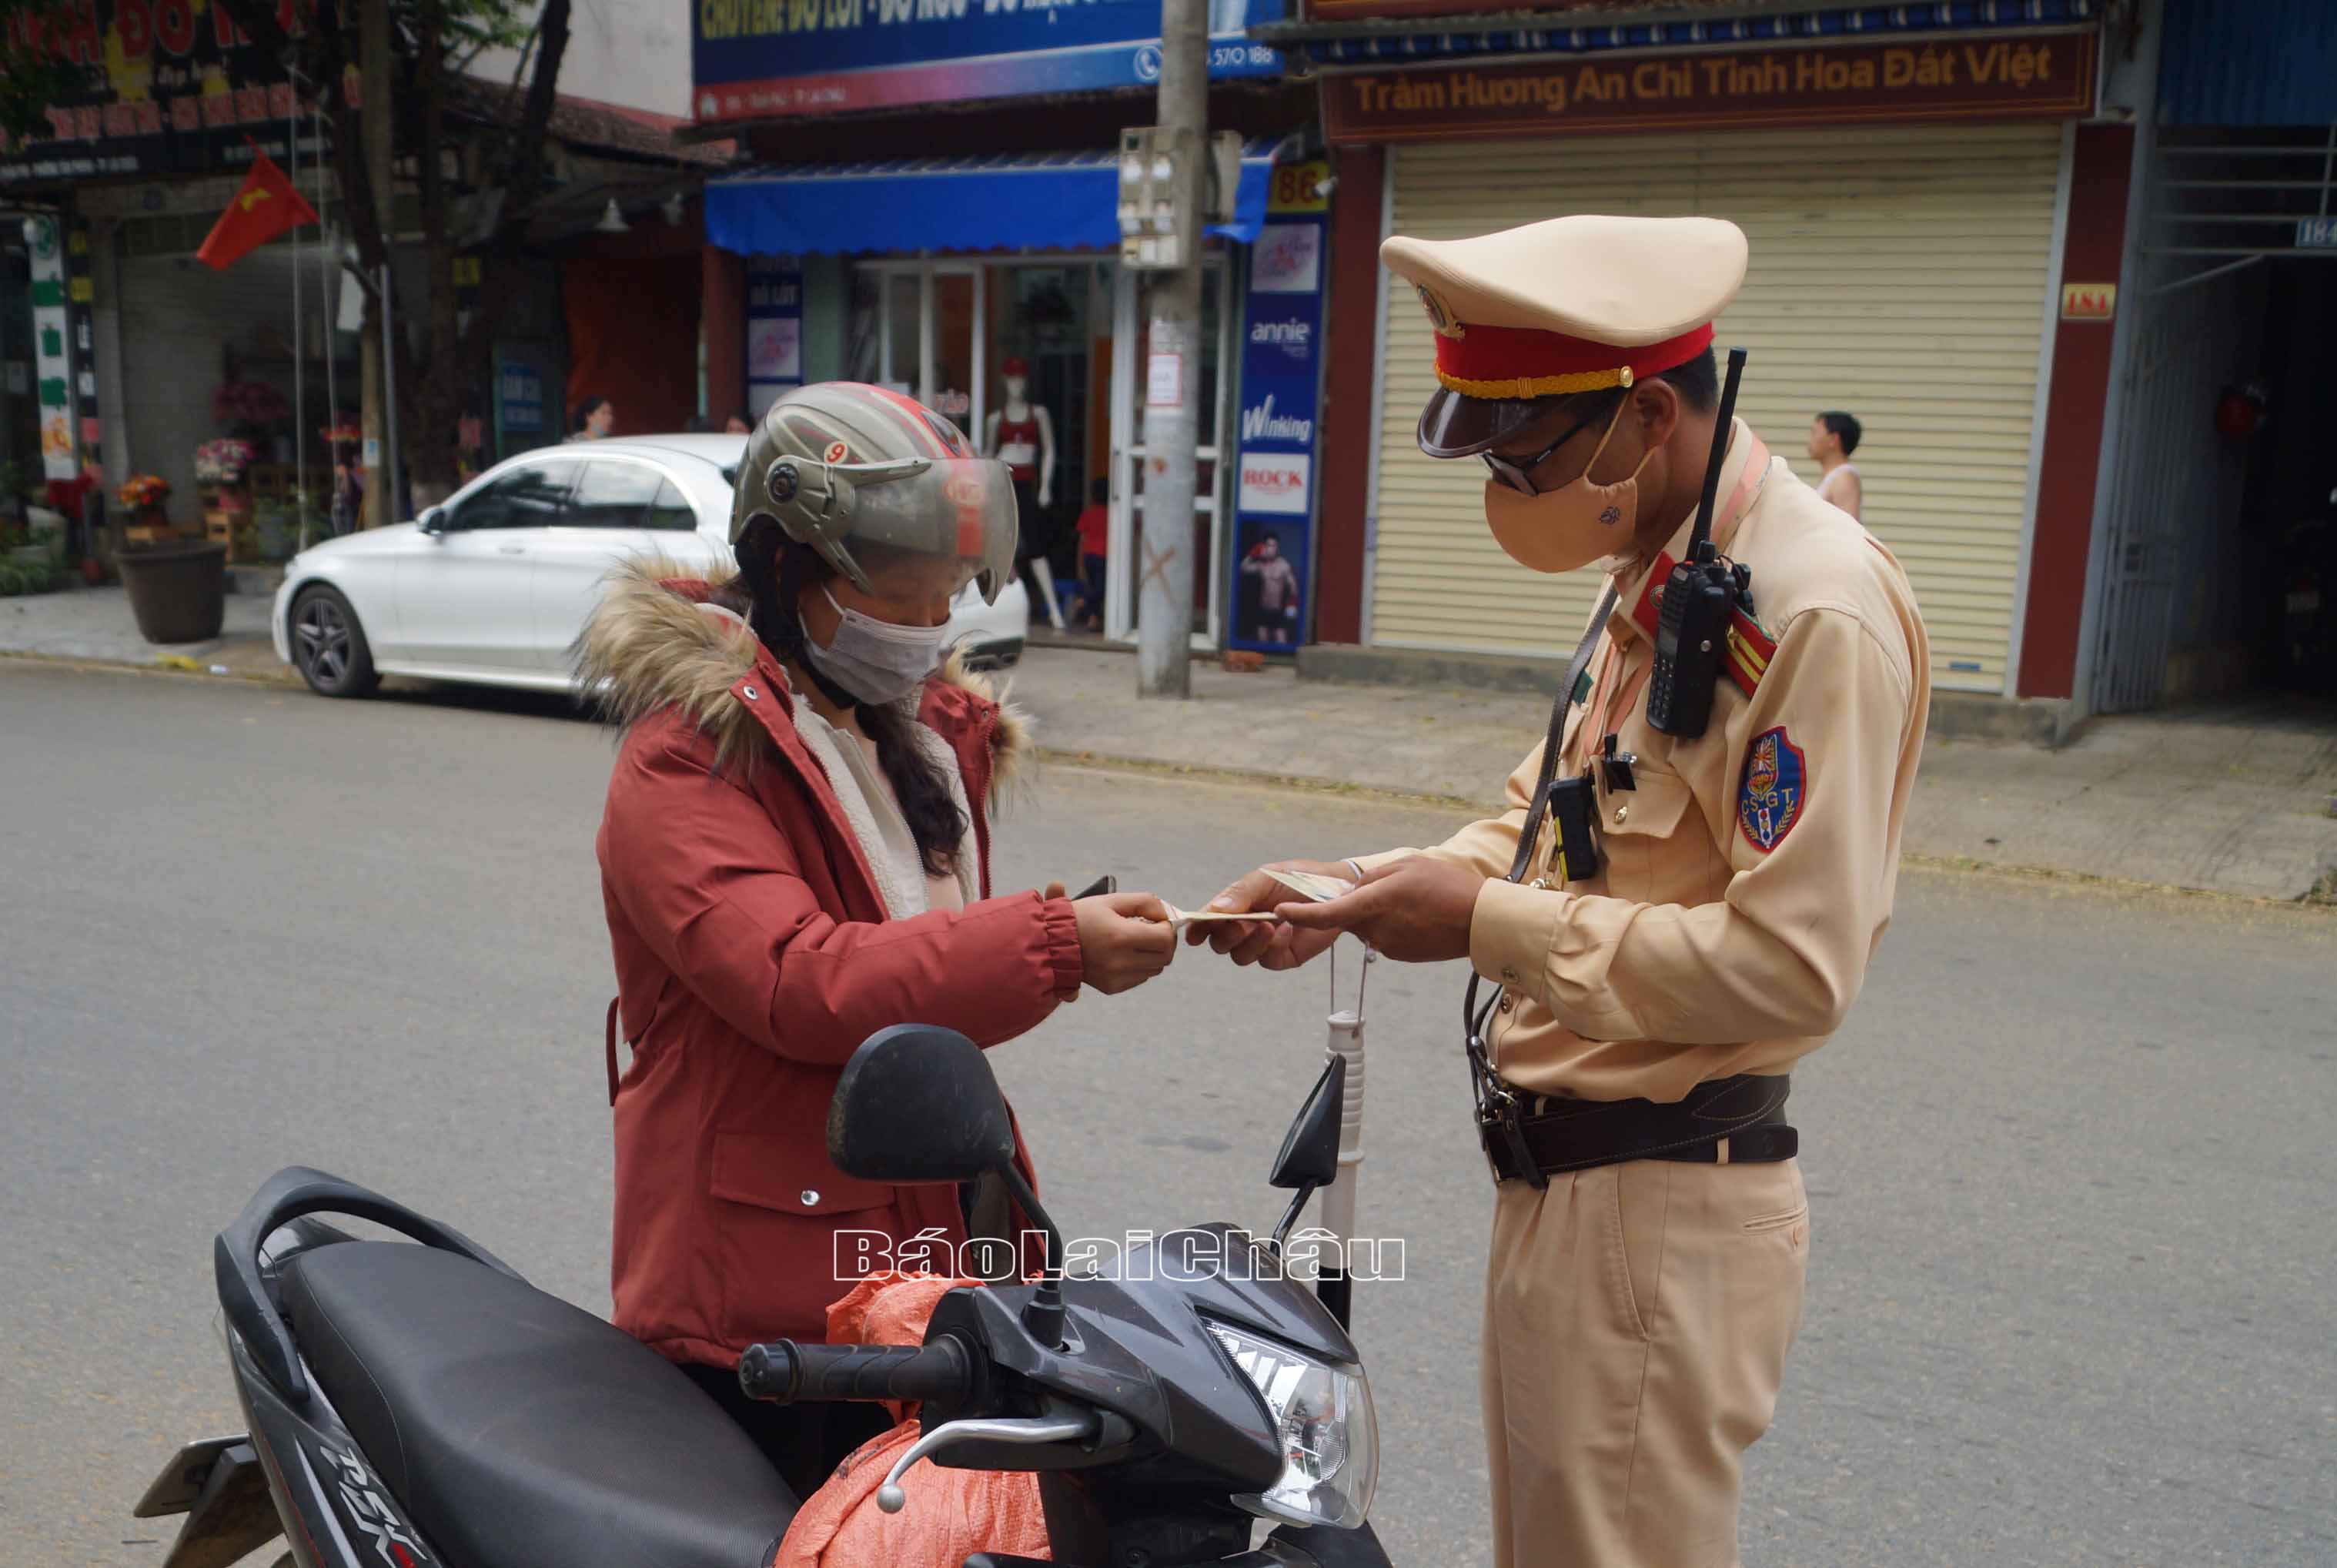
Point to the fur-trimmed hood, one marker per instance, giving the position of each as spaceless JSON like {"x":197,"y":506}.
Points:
{"x":648,"y":646}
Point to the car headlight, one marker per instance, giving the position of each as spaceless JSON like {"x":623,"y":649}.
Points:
{"x":1323,"y":1421}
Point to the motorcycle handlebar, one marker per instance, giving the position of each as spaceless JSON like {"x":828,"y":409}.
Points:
{"x":785,"y":1373}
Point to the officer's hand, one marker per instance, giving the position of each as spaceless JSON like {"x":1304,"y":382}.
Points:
{"x":1417,"y":910}
{"x":1275,"y":946}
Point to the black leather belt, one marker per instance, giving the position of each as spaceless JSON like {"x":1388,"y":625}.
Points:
{"x":1738,"y":1120}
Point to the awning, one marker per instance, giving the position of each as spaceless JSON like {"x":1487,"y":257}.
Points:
{"x":1039,"y":202}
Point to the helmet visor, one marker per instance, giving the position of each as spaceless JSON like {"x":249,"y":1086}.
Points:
{"x":960,"y":509}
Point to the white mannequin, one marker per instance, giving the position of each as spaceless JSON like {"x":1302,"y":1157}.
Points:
{"x":1021,"y":453}
{"x":1020,"y":410}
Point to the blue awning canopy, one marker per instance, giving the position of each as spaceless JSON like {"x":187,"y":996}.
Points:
{"x":2270,"y":62}
{"x":1033,"y":200}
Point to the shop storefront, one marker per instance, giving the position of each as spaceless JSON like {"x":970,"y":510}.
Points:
{"x":163,"y":353}
{"x":2213,"y":566}
{"x":1905,"y":199}
{"x":934,"y":275}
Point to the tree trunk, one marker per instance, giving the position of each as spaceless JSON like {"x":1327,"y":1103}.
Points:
{"x":377,"y":132}
{"x":436,"y":408}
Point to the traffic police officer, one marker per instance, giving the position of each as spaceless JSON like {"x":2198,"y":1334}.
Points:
{"x":1655,"y":984}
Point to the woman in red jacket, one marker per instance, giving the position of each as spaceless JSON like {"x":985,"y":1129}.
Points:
{"x":795,"y":853}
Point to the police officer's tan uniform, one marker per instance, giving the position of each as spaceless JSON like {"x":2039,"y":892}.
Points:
{"x":1637,"y":1314}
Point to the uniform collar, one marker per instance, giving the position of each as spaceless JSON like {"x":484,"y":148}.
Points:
{"x":1742,"y":470}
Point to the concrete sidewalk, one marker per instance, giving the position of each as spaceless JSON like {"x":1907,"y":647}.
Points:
{"x":2240,"y":798}
{"x":2237,"y":799}
{"x":94,"y":625}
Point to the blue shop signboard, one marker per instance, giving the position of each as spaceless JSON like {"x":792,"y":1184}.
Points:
{"x":519,"y":396}
{"x":754,"y":59}
{"x":1281,"y":389}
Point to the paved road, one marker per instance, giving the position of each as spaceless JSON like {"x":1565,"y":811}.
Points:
{"x":2074,"y":1286}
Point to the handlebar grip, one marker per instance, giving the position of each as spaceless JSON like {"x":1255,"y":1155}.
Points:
{"x":785,"y":1373}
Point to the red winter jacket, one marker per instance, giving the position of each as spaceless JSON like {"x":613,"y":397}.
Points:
{"x":753,"y":955}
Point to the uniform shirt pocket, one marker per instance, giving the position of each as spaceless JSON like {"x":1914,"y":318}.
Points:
{"x":1657,"y":850}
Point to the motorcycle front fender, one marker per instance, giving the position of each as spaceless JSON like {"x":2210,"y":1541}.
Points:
{"x":1296,"y":1546}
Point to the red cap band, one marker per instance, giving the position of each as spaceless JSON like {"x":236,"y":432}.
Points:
{"x":1526,"y":362}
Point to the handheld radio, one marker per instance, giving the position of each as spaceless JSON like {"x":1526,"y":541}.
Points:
{"x":1699,"y":600}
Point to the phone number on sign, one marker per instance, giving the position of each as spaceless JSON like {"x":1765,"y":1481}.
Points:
{"x":1233,"y":56}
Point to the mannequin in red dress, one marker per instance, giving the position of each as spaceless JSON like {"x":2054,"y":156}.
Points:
{"x":1022,"y":436}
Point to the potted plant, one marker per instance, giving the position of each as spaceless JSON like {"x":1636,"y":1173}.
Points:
{"x":21,"y":576}
{"x":178,"y":590}
{"x":18,"y":530}
{"x":279,"y":525}
{"x":142,"y":497}
{"x":223,"y":461}
{"x":221,"y":468}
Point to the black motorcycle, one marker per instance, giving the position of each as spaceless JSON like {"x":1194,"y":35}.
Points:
{"x":416,"y":1405}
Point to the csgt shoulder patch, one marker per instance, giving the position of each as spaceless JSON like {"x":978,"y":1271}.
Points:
{"x":1776,"y":788}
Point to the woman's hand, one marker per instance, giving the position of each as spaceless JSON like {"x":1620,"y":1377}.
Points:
{"x":1125,"y":939}
{"x":1276,"y":947}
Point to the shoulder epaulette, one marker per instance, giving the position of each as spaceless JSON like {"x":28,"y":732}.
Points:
{"x":1749,"y":650}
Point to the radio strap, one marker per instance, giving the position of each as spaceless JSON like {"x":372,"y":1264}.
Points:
{"x":1498,"y":1107}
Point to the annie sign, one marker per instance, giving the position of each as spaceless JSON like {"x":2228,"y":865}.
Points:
{"x":2026,"y":75}
{"x":1281,"y":389}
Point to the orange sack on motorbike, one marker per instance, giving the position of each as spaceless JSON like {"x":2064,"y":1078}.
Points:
{"x":951,"y":1514}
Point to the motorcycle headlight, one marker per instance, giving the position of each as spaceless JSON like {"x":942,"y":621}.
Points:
{"x":1323,"y":1421}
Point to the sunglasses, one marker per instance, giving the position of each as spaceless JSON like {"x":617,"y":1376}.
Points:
{"x":1518,"y":474}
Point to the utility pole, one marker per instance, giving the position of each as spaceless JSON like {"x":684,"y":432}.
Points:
{"x":376,"y":132}
{"x":1172,"y":379}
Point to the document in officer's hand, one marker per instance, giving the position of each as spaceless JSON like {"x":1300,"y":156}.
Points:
{"x":1308,"y":886}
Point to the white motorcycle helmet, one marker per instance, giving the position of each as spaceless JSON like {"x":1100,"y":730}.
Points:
{"x":856,"y":471}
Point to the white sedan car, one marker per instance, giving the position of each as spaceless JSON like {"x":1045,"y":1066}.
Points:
{"x":493,"y":587}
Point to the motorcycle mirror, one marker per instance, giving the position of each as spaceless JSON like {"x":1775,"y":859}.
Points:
{"x":918,"y":1103}
{"x":1310,"y":1150}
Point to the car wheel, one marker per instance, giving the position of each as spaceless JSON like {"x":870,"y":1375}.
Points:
{"x":330,"y":646}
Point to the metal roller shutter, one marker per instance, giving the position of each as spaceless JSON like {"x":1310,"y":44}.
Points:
{"x":1900,"y":273}
{"x":178,"y":318}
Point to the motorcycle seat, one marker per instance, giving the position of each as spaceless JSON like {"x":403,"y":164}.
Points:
{"x":519,"y":1431}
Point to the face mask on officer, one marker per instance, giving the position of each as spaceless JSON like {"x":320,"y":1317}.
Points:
{"x":1579,"y":522}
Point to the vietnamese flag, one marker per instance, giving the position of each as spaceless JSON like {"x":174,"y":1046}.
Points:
{"x":266,"y":207}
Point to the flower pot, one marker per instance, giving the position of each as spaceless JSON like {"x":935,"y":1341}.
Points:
{"x":177,"y":592}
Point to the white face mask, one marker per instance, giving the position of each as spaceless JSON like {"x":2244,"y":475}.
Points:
{"x":876,"y":661}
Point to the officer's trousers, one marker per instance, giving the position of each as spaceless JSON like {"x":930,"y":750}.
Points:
{"x":1636,"y":1321}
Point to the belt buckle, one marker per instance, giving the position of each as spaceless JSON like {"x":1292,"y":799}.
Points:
{"x":1500,"y":1110}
